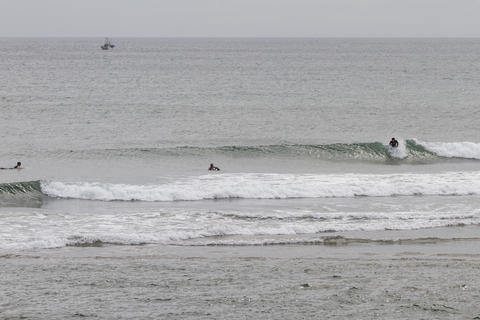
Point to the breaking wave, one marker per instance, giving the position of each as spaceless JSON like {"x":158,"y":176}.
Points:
{"x":410,"y":150}
{"x":255,"y":186}
{"x":274,"y":186}
{"x":467,"y":150}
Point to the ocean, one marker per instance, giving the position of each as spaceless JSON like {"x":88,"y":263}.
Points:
{"x":115,"y":147}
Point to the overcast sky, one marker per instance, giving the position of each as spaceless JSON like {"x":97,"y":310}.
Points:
{"x":240,"y":18}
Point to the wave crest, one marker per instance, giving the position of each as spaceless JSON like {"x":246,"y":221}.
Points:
{"x":20,"y":187}
{"x":410,"y":150}
{"x":21,"y":194}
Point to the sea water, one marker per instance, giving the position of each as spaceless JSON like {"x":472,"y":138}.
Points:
{"x":116,"y":144}
{"x":299,"y":128}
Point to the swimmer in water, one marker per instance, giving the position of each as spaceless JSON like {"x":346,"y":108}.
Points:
{"x":213,"y":168}
{"x":393,"y":143}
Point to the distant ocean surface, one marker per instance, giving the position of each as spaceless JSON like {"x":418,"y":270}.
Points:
{"x":116,"y":144}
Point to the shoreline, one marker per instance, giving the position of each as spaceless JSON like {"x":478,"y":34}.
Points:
{"x":364,"y":281}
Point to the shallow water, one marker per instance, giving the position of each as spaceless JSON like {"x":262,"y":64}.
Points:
{"x":388,"y":282}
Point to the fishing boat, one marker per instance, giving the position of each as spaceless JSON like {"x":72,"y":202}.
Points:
{"x":107,"y":45}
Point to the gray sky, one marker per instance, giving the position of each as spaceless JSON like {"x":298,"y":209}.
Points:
{"x":241,"y":18}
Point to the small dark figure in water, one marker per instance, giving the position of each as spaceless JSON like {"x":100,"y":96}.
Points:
{"x":213,"y":168}
{"x":393,"y":143}
{"x":18,"y":166}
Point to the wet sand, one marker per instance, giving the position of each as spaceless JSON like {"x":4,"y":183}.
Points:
{"x":429,"y":280}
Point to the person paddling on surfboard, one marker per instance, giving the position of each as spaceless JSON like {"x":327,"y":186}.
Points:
{"x":393,"y":143}
{"x":18,"y":166}
{"x":213,"y":168}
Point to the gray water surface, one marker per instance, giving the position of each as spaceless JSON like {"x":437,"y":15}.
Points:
{"x":115,"y":214}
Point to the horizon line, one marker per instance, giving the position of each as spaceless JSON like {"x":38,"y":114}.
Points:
{"x":244,"y":37}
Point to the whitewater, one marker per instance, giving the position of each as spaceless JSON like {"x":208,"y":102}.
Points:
{"x":262,"y":222}
{"x":274,"y":186}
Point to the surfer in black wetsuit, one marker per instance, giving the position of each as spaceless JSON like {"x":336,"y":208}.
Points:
{"x":393,"y":143}
{"x":18,"y":166}
{"x":213,"y":168}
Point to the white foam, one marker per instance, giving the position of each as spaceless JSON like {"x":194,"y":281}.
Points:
{"x":275,"y":186}
{"x":180,"y":226}
{"x":470,"y":150}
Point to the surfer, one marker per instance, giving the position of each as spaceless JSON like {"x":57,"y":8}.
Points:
{"x":18,"y":166}
{"x":213,"y":168}
{"x":393,"y":143}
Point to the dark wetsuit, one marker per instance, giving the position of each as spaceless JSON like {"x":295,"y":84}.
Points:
{"x":394,"y":143}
